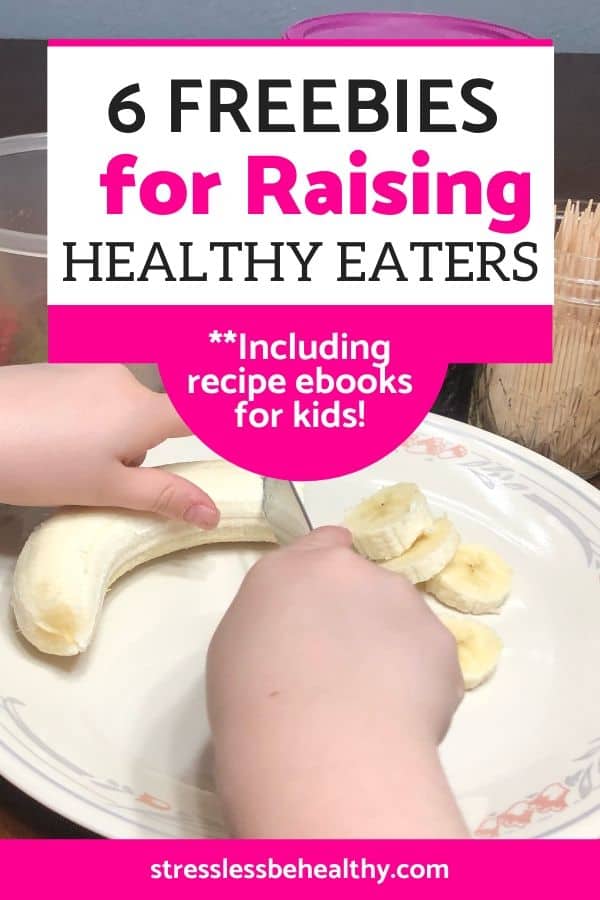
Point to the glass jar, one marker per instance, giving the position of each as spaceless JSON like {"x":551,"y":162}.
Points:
{"x":554,"y":408}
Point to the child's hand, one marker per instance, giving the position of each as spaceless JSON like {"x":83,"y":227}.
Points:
{"x":330,"y":684}
{"x":74,"y":435}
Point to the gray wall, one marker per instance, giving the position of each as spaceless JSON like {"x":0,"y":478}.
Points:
{"x":573,"y":24}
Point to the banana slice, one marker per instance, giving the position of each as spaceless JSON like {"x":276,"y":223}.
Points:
{"x":429,"y":553}
{"x":69,"y":562}
{"x":389,"y":522}
{"x":477,"y":580}
{"x":479,"y":648}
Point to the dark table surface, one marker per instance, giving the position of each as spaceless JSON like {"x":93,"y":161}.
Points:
{"x":23,"y":110}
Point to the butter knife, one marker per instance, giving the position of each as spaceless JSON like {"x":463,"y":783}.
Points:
{"x":284,"y":511}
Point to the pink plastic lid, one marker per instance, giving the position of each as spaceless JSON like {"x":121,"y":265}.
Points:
{"x":398,"y":26}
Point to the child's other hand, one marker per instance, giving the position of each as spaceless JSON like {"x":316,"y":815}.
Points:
{"x":330,"y":684}
{"x":75,"y":435}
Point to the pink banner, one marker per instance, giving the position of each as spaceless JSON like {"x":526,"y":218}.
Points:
{"x":304,"y":42}
{"x":138,"y":334}
{"x":100,"y":869}
{"x":302,"y":393}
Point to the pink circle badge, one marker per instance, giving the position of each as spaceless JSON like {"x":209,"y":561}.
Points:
{"x":303,"y":393}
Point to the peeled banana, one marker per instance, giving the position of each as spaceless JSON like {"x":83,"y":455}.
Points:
{"x":386,"y":524}
{"x":429,"y":554}
{"x":476,"y":580}
{"x":69,"y":562}
{"x":479,"y":648}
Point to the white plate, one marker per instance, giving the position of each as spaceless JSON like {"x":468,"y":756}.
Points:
{"x":117,"y":740}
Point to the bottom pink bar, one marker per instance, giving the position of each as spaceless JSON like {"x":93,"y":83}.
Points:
{"x":449,"y":334}
{"x":104,"y":869}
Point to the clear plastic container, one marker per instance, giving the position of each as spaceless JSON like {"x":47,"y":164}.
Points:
{"x":394,"y":25}
{"x":454,"y":396}
{"x":23,"y":249}
{"x":23,"y":310}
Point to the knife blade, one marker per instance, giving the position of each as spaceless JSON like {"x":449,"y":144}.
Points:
{"x":284,"y":511}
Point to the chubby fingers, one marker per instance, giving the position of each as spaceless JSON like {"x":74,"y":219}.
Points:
{"x":163,"y":493}
{"x":326,"y":537}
